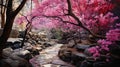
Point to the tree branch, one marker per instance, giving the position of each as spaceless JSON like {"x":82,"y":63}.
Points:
{"x":60,"y":19}
{"x":70,"y":13}
{"x":19,"y":7}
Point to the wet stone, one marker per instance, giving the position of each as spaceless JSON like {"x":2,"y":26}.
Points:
{"x":71,"y":56}
{"x":16,"y":45}
{"x":7,"y":52}
{"x":81,"y":47}
{"x":47,"y":44}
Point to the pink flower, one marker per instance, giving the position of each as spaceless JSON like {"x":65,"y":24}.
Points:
{"x":94,"y":51}
{"x":104,"y":42}
{"x":113,"y":35}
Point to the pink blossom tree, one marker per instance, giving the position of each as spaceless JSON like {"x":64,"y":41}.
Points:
{"x":94,"y":16}
{"x":91,"y":15}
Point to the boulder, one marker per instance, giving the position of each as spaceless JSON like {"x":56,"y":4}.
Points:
{"x":46,"y":44}
{"x":21,"y":52}
{"x":70,"y":55}
{"x":15,"y":61}
{"x":81,"y":47}
{"x":7,"y":51}
{"x":12,"y":58}
{"x":16,"y":45}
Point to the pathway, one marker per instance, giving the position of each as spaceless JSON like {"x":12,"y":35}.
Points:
{"x":48,"y":58}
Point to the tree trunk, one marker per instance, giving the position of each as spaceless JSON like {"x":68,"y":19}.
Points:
{"x":10,"y":16}
{"x":2,"y":20}
{"x":6,"y":32}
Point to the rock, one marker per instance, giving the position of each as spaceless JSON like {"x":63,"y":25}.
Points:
{"x":35,"y":52}
{"x":14,"y":39}
{"x":15,"y":61}
{"x":65,"y":55}
{"x":62,"y":41}
{"x":39,"y":42}
{"x":21,"y":52}
{"x":27,"y":46}
{"x":71,"y":55}
{"x":50,"y":65}
{"x":7,"y":52}
{"x":46,"y":44}
{"x":43,"y":47}
{"x":27,"y":56}
{"x":16,"y":45}
{"x":71,"y":43}
{"x":77,"y":58}
{"x":81,"y":47}
{"x":37,"y":47}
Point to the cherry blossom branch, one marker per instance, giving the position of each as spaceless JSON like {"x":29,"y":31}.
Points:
{"x":19,"y":7}
{"x":70,"y":13}
{"x":60,"y":19}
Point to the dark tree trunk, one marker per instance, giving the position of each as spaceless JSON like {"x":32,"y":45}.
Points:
{"x":10,"y":16}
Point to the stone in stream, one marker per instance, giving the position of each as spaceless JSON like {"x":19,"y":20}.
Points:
{"x":16,"y":45}
{"x":16,"y":61}
{"x":71,"y":56}
{"x":7,"y":51}
{"x":13,"y":59}
{"x":27,"y":56}
{"x":46,"y":44}
{"x":27,"y":46}
{"x":81,"y":47}
{"x":71,"y":43}
{"x":34,"y":52}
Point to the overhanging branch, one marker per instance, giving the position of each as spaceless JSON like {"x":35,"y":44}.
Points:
{"x":19,"y":7}
{"x":60,"y":19}
{"x":70,"y":13}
